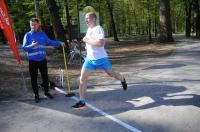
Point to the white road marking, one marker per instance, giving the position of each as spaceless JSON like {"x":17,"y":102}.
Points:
{"x":131,"y":128}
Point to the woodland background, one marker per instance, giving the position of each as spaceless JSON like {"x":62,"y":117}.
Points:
{"x":160,"y":19}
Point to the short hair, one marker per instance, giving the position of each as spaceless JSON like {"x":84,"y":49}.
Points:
{"x":92,"y":14}
{"x":37,"y":20}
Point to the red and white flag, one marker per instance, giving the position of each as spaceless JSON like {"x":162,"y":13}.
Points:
{"x":7,"y":29}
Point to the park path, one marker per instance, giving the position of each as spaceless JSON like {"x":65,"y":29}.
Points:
{"x":163,"y":95}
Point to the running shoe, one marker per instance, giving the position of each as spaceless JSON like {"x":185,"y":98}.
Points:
{"x":79,"y":105}
{"x":124,"y":84}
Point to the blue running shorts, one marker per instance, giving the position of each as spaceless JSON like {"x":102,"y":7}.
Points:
{"x":92,"y":65}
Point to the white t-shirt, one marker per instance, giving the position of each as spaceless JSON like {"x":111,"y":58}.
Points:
{"x":95,"y":52}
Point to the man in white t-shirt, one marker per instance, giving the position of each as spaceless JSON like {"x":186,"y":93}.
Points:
{"x":96,"y":58}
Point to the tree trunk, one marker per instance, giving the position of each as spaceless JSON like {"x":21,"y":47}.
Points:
{"x":37,"y":9}
{"x":112,"y":21}
{"x":196,"y":8}
{"x":68,"y":20}
{"x":165,"y":22}
{"x":56,"y":21}
{"x":155,"y":26}
{"x":149,"y":23}
{"x":188,"y":10}
{"x":87,"y":2}
{"x":99,"y":8}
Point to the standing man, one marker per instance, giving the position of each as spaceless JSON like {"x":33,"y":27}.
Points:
{"x":96,"y":58}
{"x":34,"y":44}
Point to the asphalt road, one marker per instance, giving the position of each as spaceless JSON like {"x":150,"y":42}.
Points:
{"x":163,"y":96}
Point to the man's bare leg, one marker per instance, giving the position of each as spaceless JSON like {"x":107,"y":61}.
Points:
{"x":83,"y":83}
{"x":118,"y":76}
{"x":82,"y":90}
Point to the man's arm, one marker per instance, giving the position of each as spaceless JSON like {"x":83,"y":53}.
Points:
{"x":26,"y":46}
{"x":95,"y":42}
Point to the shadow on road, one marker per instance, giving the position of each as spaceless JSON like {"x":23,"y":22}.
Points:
{"x":138,"y":97}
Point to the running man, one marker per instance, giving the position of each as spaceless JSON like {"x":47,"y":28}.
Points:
{"x":96,"y":58}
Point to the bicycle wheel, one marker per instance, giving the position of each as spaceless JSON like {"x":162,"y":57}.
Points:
{"x":71,"y":57}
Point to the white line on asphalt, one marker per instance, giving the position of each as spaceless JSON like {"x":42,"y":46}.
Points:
{"x":131,"y":128}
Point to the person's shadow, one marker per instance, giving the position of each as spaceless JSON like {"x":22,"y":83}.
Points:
{"x":169,"y":96}
{"x":137,"y":97}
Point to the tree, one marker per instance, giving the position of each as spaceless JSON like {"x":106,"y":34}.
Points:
{"x":37,"y":9}
{"x":188,"y":10}
{"x":197,"y":11}
{"x":112,"y":20}
{"x":68,"y":20}
{"x":56,"y":21}
{"x":132,"y":18}
{"x":20,"y":26}
{"x":149,"y":22}
{"x":165,"y":22}
{"x":178,"y":16}
{"x":88,"y":2}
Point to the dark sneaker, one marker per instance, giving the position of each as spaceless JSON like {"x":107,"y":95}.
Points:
{"x":79,"y":105}
{"x":37,"y":99}
{"x":124,"y":84}
{"x":49,"y":95}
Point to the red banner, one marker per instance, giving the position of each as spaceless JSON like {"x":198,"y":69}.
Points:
{"x":7,"y":29}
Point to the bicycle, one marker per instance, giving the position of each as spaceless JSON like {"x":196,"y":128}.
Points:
{"x":76,"y":52}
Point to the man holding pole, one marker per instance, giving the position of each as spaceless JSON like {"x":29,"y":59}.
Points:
{"x":34,"y":44}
